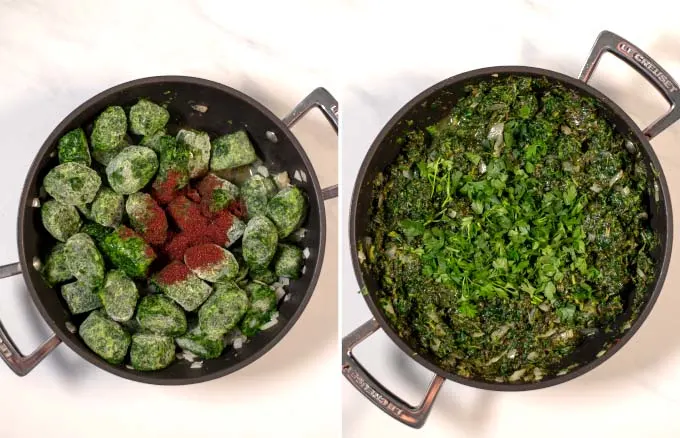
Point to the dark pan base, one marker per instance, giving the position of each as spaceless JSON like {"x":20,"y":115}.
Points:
{"x":434,"y":104}
{"x":228,"y":111}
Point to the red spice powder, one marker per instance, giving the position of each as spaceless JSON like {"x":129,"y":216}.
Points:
{"x":220,"y":226}
{"x":187,"y":214}
{"x":177,"y":245}
{"x":166,"y":190}
{"x":238,"y":208}
{"x":155,"y":224}
{"x":208,"y":184}
{"x":173,"y":273}
{"x":203,"y":256}
{"x":193,"y":195}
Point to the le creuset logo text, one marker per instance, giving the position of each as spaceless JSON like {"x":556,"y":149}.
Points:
{"x":633,"y":53}
{"x":361,"y":383}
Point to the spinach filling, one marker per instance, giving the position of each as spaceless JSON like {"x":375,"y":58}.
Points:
{"x":510,"y":232}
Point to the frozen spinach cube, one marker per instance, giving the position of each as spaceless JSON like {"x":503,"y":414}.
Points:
{"x":211,"y":262}
{"x":173,"y":170}
{"x":178,"y":282}
{"x":216,"y":194}
{"x":119,"y":296}
{"x":73,"y":148}
{"x":223,"y":310}
{"x":266,"y":276}
{"x":80,"y":297}
{"x":128,"y":252}
{"x":147,"y":118}
{"x":287,"y":209}
{"x":72,"y":183}
{"x":151,"y":351}
{"x":109,"y":129}
{"x":256,"y":192}
{"x":259,"y":242}
{"x":159,"y":314}
{"x":232,"y":150}
{"x":288,"y":261}
{"x":60,"y":220}
{"x":153,"y":141}
{"x":56,"y":268}
{"x":199,"y":147}
{"x":201,"y":345}
{"x":96,"y":231}
{"x":262,"y":304}
{"x":84,"y":260}
{"x":105,"y":337}
{"x":107,"y":208}
{"x":147,"y":218}
{"x":132,"y":169}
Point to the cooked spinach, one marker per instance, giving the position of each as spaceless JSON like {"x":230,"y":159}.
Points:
{"x":509,"y":232}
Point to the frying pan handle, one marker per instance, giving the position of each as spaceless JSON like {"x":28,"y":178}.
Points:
{"x":322,"y":99}
{"x":16,"y":361}
{"x":373,"y":390}
{"x":610,"y":42}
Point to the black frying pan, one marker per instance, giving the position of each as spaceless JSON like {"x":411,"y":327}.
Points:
{"x":421,"y":111}
{"x":228,"y":110}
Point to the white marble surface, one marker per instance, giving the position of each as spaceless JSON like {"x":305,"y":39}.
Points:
{"x":54,"y":56}
{"x":399,"y":53}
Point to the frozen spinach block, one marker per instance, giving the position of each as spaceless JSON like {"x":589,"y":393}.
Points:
{"x":132,"y":169}
{"x":223,"y":310}
{"x":151,"y":351}
{"x":211,"y":262}
{"x":128,"y":252}
{"x":96,"y":231}
{"x":72,"y":183}
{"x":262,"y":304}
{"x":216,"y":194}
{"x":173,"y":170}
{"x":60,"y":220}
{"x":159,"y":314}
{"x":232,"y":150}
{"x":153,"y":141}
{"x":147,"y":118}
{"x":80,"y":297}
{"x":288,"y":261}
{"x":178,"y":282}
{"x":109,"y":129}
{"x":235,"y":231}
{"x":56,"y":268}
{"x":199,"y":147}
{"x":256,"y":192}
{"x":147,"y":217}
{"x":287,"y":209}
{"x":259,"y":242}
{"x":119,"y":296}
{"x":105,"y":337}
{"x":84,"y":260}
{"x":73,"y":148}
{"x":201,"y":345}
{"x":107,"y":208}
{"x":266,"y":276}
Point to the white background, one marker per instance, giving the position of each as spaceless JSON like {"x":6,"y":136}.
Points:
{"x":396,"y":50}
{"x":54,"y":56}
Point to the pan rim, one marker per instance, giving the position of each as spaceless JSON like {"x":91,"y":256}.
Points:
{"x":518,"y":70}
{"x":25,"y":207}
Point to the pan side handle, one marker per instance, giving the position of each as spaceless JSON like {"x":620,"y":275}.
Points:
{"x":17,"y":362}
{"x":322,"y":99}
{"x":642,"y":63}
{"x":373,"y":390}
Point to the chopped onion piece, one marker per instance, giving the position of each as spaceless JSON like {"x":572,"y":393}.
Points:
{"x":305,"y":253}
{"x":282,"y":180}
{"x":263,"y":171}
{"x":500,"y":332}
{"x":614,"y":179}
{"x":198,"y":364}
{"x":596,"y":188}
{"x":517,"y":375}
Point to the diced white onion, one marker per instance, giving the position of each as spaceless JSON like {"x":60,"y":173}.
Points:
{"x":263,"y":171}
{"x":285,"y":281}
{"x":517,"y":375}
{"x":280,"y":293}
{"x":305,"y":253}
{"x":198,"y":364}
{"x":282,"y":180}
{"x":70,"y":327}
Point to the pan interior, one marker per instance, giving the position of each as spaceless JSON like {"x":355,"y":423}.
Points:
{"x":206,"y":106}
{"x":433,"y":105}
